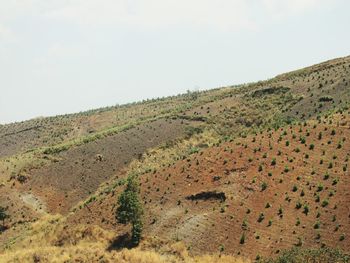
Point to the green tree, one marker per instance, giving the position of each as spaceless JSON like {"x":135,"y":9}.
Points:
{"x":192,"y":95}
{"x":3,"y":215}
{"x":130,"y":209}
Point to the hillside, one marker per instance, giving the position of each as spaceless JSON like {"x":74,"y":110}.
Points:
{"x":243,"y":172}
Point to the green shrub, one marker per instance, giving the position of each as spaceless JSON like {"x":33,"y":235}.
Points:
{"x":324,"y":203}
{"x":317,"y":225}
{"x":263,"y":186}
{"x":298,"y":205}
{"x":261,"y":217}
{"x":242,"y":239}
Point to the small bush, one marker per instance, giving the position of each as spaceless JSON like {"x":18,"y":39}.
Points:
{"x":242,"y":239}
{"x":263,"y":186}
{"x":325,"y":203}
{"x":261,"y":217}
{"x":273,"y":162}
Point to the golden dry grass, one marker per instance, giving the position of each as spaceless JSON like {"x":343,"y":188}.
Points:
{"x":50,"y":240}
{"x":95,"y":253}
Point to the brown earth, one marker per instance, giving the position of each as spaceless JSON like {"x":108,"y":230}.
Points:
{"x":210,"y":200}
{"x":80,"y":170}
{"x":233,"y":169}
{"x":22,"y":136}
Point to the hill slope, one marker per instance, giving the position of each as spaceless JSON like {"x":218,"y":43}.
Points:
{"x":247,"y":171}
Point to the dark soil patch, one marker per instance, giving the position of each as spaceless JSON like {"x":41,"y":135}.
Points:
{"x":207,"y":195}
{"x":82,"y":169}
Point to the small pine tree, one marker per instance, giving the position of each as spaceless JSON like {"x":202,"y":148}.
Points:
{"x":242,"y":240}
{"x":130,"y":209}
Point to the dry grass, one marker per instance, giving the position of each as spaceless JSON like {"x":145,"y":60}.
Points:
{"x":50,"y":240}
{"x":96,"y":253}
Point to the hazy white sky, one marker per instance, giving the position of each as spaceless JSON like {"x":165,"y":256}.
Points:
{"x":62,"y":56}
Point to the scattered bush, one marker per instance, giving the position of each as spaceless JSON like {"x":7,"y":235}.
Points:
{"x":263,"y":186}
{"x":261,"y":217}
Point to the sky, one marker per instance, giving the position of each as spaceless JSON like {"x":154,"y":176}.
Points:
{"x":65,"y":56}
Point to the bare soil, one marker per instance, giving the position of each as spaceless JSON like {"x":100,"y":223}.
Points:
{"x":81,"y":170}
{"x":239,"y":169}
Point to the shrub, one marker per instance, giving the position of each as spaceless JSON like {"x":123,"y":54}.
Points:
{"x":325,"y":99}
{"x":270,"y":223}
{"x":242,"y":239}
{"x":273,"y":162}
{"x":245,"y":224}
{"x":280,"y":211}
{"x":325,"y":203}
{"x":319,"y":187}
{"x":263,"y":186}
{"x":317,"y":199}
{"x":335,"y":181}
{"x":3,"y":215}
{"x":261,"y":217}
{"x":320,"y":136}
{"x":317,"y":225}
{"x":326,"y":176}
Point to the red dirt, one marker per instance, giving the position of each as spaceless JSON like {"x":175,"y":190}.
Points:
{"x":206,"y":225}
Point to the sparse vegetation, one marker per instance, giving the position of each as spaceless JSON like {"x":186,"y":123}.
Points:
{"x":218,"y":158}
{"x":3,"y":216}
